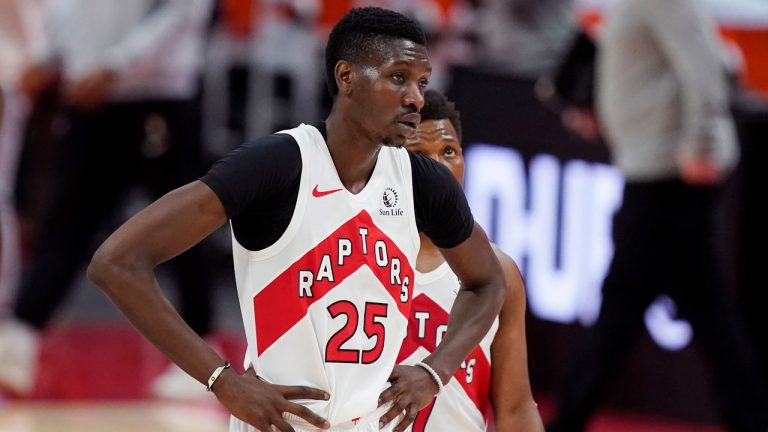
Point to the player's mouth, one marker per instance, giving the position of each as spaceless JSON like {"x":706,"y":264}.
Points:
{"x":410,"y":121}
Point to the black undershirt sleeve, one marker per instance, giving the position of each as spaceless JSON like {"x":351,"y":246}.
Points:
{"x":258,"y":184}
{"x":442,"y":211}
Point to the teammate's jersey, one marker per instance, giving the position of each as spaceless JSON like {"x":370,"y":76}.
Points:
{"x":464,"y":404}
{"x":327,"y":305}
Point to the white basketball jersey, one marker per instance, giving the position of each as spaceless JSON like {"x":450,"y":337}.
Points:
{"x":327,"y":305}
{"x":464,"y":404}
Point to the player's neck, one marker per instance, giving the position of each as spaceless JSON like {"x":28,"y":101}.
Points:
{"x":354,"y":154}
{"x":429,"y":257}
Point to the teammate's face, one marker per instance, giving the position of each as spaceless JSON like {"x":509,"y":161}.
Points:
{"x":389,"y":91}
{"x":438,"y":140}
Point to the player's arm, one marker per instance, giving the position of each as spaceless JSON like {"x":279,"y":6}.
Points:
{"x":123,"y":267}
{"x":513,"y":406}
{"x":447,"y":220}
{"x":477,"y":303}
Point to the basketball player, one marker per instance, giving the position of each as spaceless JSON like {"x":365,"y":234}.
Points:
{"x":325,"y":221}
{"x":495,"y":374}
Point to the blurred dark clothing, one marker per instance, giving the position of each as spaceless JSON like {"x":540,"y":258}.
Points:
{"x":664,"y":236}
{"x":574,"y":78}
{"x":154,"y":144}
{"x":750,"y":227}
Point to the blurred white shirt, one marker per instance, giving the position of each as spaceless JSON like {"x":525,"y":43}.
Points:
{"x":154,"y":46}
{"x":662,"y":89}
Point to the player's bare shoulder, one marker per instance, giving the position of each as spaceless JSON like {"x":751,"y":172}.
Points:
{"x":508,"y":264}
{"x":513,"y":279}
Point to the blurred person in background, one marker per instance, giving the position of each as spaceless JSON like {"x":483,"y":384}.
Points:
{"x":285,"y":57}
{"x":663,"y":105}
{"x":21,"y":39}
{"x":569,"y":90}
{"x":523,"y":38}
{"x":128,"y":74}
{"x":494,"y":377}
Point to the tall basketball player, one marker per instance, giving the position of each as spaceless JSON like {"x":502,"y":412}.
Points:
{"x":325,"y":221}
{"x":493,"y":379}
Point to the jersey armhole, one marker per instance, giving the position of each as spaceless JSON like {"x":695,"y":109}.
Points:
{"x":407,"y":170}
{"x":299,"y":133}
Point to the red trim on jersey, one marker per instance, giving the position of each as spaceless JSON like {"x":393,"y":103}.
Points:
{"x":479,"y":389}
{"x":278,"y":307}
{"x":420,"y":422}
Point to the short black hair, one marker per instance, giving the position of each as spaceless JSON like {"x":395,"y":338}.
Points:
{"x":362,"y":31}
{"x":438,"y":107}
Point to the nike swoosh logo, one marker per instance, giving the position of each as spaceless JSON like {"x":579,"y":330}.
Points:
{"x":317,"y":194}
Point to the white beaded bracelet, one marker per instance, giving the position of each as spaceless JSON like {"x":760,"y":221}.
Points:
{"x":434,"y":374}
{"x":215,"y":375}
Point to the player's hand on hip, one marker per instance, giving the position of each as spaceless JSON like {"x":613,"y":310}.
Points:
{"x":412,"y":389}
{"x":262,"y":404}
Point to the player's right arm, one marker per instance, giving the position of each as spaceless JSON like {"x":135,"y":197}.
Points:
{"x":123,"y":267}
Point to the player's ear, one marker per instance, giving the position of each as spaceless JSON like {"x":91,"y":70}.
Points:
{"x":344,"y":76}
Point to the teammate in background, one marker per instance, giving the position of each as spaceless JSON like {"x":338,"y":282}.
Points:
{"x":325,"y":222}
{"x":495,"y":374}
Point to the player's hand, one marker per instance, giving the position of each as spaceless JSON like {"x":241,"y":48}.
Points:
{"x":581,"y":122}
{"x":91,"y":90}
{"x":262,"y":404}
{"x":412,"y":389}
{"x":37,"y":78}
{"x":699,"y":171}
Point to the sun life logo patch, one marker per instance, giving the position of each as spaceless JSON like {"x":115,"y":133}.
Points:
{"x":390,"y":197}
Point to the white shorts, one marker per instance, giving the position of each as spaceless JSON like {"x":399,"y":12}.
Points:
{"x":368,"y":423}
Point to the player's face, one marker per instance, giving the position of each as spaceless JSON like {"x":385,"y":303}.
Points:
{"x":438,"y":140}
{"x":390,"y":91}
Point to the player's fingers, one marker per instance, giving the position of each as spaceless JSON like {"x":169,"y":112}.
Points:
{"x":282,"y":425}
{"x":302,"y":392}
{"x":391,"y":414}
{"x":408,"y":418}
{"x":261,"y":425}
{"x":307,"y":414}
{"x":389,"y":394}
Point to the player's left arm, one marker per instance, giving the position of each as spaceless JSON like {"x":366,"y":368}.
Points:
{"x":477,"y":305}
{"x":513,"y":406}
